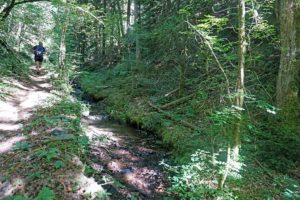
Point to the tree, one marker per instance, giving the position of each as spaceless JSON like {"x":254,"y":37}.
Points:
{"x":287,"y":83}
{"x":235,"y":143}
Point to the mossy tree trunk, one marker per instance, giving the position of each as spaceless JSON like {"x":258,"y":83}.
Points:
{"x":239,"y":101}
{"x":287,"y":83}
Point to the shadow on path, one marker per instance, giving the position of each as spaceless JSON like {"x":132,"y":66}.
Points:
{"x":18,"y":107}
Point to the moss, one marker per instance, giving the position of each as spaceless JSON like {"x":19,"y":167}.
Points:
{"x":133,"y":109}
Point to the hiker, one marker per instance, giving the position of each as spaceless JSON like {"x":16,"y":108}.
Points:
{"x":39,"y":52}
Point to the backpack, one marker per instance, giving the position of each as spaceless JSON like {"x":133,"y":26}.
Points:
{"x":39,"y":51}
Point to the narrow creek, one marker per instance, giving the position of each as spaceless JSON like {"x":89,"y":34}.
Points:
{"x":127,"y":159}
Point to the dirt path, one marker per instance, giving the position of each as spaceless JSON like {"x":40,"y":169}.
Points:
{"x":18,"y":107}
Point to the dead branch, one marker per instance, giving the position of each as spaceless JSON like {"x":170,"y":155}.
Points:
{"x":177,"y":101}
{"x":172,"y":92}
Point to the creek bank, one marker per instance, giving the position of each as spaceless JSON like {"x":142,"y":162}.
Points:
{"x":123,"y":158}
{"x":134,"y":112}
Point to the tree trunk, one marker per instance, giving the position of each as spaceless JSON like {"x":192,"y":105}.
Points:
{"x":137,"y":40}
{"x":235,"y":143}
{"x":239,"y":102}
{"x":120,"y":18}
{"x":62,"y":48}
{"x":287,"y":85}
{"x":128,"y":15}
{"x":103,"y":30}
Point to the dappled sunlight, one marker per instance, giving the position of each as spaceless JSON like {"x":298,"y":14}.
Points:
{"x":93,"y":132}
{"x":26,"y":97}
{"x":118,"y":150}
{"x":8,"y":112}
{"x":89,"y":187}
{"x":34,"y":99}
{"x":114,"y":166}
{"x":19,"y":106}
{"x":10,"y":126}
{"x":9,"y":143}
{"x":142,"y":184}
{"x":9,"y":188}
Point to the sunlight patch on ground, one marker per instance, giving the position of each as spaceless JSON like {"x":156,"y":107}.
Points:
{"x":8,"y":144}
{"x":8,"y":112}
{"x":90,"y":187}
{"x":137,"y":182}
{"x":34,"y":99}
{"x":115,"y":166}
{"x":97,"y":118}
{"x":9,"y":188}
{"x":10,"y":126}
{"x":94,"y":131}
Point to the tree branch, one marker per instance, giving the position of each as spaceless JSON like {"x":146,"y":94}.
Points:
{"x":6,"y":11}
{"x":213,"y":54}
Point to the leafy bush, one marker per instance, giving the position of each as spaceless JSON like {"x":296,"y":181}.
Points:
{"x":199,"y":178}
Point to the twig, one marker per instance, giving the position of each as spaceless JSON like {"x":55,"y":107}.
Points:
{"x":213,"y":54}
{"x":173,"y":91}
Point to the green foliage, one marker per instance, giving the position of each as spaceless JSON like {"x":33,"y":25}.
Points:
{"x":83,"y":141}
{"x":11,"y":66}
{"x":225,"y":116}
{"x":275,"y":149}
{"x":65,"y":113}
{"x":34,"y":175}
{"x":4,"y":178}
{"x":22,"y":146}
{"x":62,"y":138}
{"x":5,"y":88}
{"x":17,"y":197}
{"x":45,"y":194}
{"x":152,"y":121}
{"x":59,"y":164}
{"x":48,"y":154}
{"x":199,"y":178}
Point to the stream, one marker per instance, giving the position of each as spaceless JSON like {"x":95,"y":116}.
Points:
{"x":127,"y":159}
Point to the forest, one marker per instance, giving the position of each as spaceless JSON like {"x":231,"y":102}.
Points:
{"x":149,"y":99}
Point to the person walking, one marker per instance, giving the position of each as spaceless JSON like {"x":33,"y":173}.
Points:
{"x":39,"y":51}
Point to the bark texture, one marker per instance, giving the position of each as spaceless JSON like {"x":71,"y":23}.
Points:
{"x":287,"y":83}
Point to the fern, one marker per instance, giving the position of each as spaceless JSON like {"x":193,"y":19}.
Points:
{"x":45,"y":194}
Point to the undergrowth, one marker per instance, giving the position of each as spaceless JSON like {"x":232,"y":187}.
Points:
{"x":129,"y":98}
